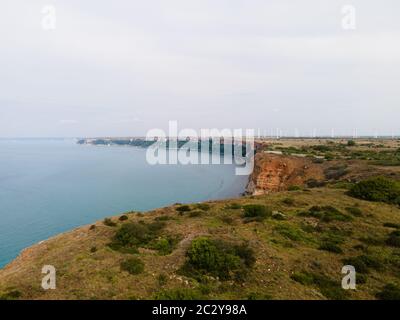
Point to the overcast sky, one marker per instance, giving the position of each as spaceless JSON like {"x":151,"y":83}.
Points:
{"x":119,"y":68}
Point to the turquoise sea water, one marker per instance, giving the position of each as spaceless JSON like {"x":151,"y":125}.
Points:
{"x":51,"y":186}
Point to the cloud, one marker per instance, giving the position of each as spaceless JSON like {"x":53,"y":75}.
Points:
{"x":225,"y":63}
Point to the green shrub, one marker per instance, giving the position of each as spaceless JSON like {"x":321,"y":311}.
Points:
{"x":288,"y":201}
{"x":328,"y":287}
{"x":336,"y":172}
{"x":108,"y":222}
{"x":93,"y":249}
{"x":312,"y":183}
{"x":134,"y":234}
{"x":326,"y":214}
{"x":184,"y":208}
{"x":372,"y":240}
{"x":278,"y":215}
{"x":132,"y":265}
{"x":11,"y":295}
{"x":351,"y":143}
{"x":218,"y":258}
{"x":291,"y":232}
{"x":165,"y":245}
{"x":303,"y":277}
{"x":179,"y":294}
{"x":364,"y":263}
{"x":389,"y":292}
{"x":162,"y":279}
{"x":256,"y":211}
{"x":203,"y":206}
{"x":123,"y":218}
{"x":394,"y":239}
{"x":294,"y":188}
{"x":254,"y":295}
{"x":234,"y":206}
{"x":378,"y":189}
{"x":354,"y":211}
{"x":195,"y":213}
{"x":330,"y":246}
{"x":392,"y":225}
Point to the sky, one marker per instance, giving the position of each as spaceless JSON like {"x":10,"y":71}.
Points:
{"x":120,"y":68}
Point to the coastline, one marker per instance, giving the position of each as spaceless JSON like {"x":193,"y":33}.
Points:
{"x":223,"y":195}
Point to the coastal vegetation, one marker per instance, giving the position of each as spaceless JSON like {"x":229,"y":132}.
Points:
{"x":290,"y":242}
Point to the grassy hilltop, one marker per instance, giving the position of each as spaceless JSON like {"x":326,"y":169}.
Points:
{"x":287,"y":244}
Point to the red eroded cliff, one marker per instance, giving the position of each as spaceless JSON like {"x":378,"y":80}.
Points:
{"x":277,"y":172}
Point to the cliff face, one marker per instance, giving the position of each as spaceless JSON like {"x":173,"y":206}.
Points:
{"x":274,"y":173}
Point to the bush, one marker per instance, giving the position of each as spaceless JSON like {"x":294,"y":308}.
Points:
{"x":291,"y":232}
{"x":392,"y":225}
{"x":162,"y":279}
{"x":195,"y":214}
{"x":234,"y":206}
{"x":330,"y":246}
{"x":326,"y":214}
{"x":378,"y":189}
{"x":294,"y":188}
{"x":134,"y":234}
{"x":351,"y":143}
{"x":303,"y":277}
{"x":108,"y":222}
{"x":394,"y":239}
{"x":132,"y":265}
{"x":218,"y":258}
{"x":165,"y":245}
{"x":312,"y":183}
{"x":364,"y":263}
{"x":123,"y":218}
{"x":354,"y":211}
{"x":184,"y":208}
{"x":389,"y":292}
{"x":256,"y":211}
{"x":11,"y":295}
{"x":336,"y":172}
{"x":328,"y":287}
{"x":203,"y":206}
{"x":288,"y":201}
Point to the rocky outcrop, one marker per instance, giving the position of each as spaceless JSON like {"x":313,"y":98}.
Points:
{"x":274,"y":173}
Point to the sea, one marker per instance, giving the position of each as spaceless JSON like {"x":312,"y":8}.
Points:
{"x":49,"y":186}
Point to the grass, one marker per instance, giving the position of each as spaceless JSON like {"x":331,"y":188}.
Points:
{"x":160,"y":239}
{"x":179,"y":294}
